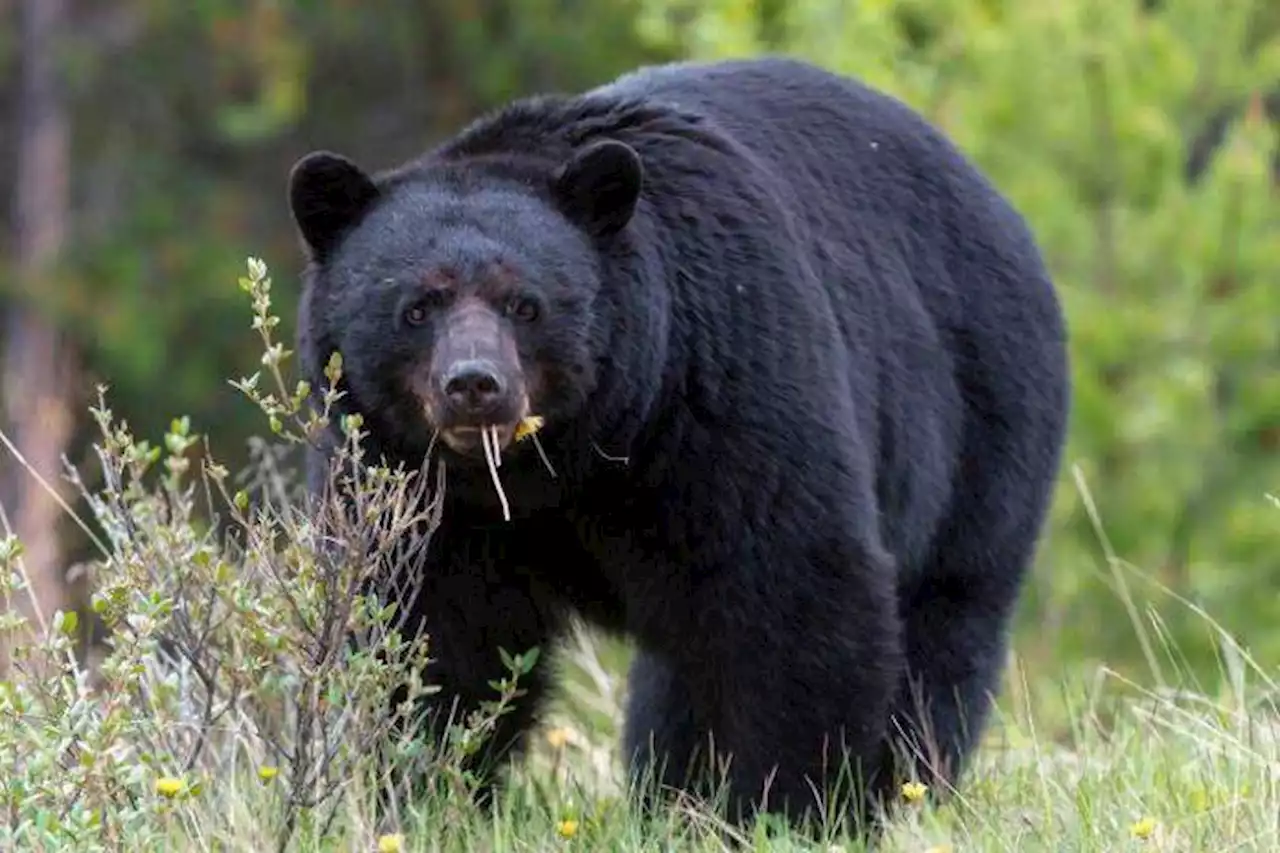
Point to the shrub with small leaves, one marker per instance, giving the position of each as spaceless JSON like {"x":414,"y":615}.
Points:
{"x":253,"y":630}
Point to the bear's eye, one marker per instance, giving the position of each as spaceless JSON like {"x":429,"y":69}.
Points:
{"x":415,"y":315}
{"x":523,"y":308}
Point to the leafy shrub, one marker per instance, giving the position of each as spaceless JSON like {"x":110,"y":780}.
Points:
{"x":248,"y":650}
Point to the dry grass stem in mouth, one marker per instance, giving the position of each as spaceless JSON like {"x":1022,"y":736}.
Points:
{"x":528,"y":428}
{"x":489,"y":438}
{"x":542,"y":454}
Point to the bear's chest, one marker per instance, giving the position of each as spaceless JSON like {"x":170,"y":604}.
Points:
{"x":647,"y":569}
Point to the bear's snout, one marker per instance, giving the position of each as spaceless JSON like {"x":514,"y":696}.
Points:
{"x":473,"y":392}
{"x":473,"y":388}
{"x":478,"y":392}
{"x":476,"y":377}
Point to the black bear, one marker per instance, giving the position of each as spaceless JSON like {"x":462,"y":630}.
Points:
{"x":802,"y":383}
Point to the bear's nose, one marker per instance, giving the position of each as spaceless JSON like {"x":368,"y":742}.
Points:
{"x":473,"y":385}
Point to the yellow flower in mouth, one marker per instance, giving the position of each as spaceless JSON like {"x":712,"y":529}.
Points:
{"x":528,"y":426}
{"x":390,"y":843}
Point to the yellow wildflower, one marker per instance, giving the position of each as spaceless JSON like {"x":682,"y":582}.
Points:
{"x":528,"y":426}
{"x":168,"y":786}
{"x":558,"y":737}
{"x":266,"y":772}
{"x":390,"y":843}
{"x":1143,"y":828}
{"x":913,"y":792}
{"x":567,"y":828}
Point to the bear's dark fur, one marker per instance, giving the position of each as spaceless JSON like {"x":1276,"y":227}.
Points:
{"x":805,"y":388}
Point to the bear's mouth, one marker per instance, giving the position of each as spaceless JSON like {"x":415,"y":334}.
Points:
{"x":490,"y":440}
{"x":478,"y":441}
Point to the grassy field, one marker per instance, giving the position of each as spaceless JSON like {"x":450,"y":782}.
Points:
{"x":1127,"y":770}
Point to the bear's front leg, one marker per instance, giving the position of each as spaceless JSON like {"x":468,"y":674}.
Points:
{"x":476,"y":598}
{"x":787,"y":662}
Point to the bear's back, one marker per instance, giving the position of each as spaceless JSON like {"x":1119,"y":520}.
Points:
{"x":864,"y":172}
{"x":838,"y":143}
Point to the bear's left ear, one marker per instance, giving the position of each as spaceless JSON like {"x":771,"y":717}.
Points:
{"x":327,"y":196}
{"x":599,"y":186}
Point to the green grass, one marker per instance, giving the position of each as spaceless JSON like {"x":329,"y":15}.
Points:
{"x":1125,"y":769}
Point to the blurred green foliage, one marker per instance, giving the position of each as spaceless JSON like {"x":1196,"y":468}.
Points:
{"x":1086,"y":112}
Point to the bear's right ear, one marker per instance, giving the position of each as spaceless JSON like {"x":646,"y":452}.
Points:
{"x":327,"y":195}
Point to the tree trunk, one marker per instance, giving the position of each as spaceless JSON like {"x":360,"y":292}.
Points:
{"x":40,"y":367}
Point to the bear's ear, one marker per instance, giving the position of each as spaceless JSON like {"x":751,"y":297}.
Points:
{"x":327,"y":195}
{"x":598,"y":187}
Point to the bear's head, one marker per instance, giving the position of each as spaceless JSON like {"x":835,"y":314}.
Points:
{"x":461,"y":295}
